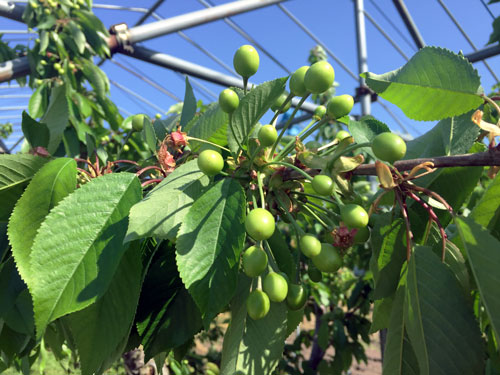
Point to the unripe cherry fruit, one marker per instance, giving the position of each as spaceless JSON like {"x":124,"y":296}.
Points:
{"x":279,"y":102}
{"x":354,"y":216}
{"x":319,"y":77}
{"x":296,"y":83}
{"x":310,"y":245}
{"x":297,"y":297}
{"x":319,"y":112}
{"x":246,"y":61}
{"x":228,"y":100}
{"x":342,"y":134}
{"x":275,"y":287}
{"x":267,"y":135}
{"x":340,"y":106}
{"x":138,"y":122}
{"x":259,"y":224}
{"x":258,"y":304}
{"x":389,"y":147}
{"x":210,"y":162}
{"x":328,"y":260}
{"x":254,"y":261}
{"x":322,"y":184}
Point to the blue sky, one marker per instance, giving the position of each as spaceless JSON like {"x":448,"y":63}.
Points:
{"x":332,"y":21}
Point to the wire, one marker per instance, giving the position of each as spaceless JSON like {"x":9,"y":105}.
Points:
{"x":471,"y":43}
{"x":384,"y":15}
{"x":149,"y":12}
{"x":316,"y":39}
{"x":244,"y":34}
{"x":137,"y":96}
{"x":386,"y":36}
{"x":488,"y":9}
{"x":139,"y":74}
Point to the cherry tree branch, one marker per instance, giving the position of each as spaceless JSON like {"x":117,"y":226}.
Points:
{"x":481,"y":159}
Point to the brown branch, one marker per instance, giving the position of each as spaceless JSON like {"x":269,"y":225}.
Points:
{"x":481,"y":159}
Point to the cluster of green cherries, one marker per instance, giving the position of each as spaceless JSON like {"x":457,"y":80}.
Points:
{"x":260,"y":223}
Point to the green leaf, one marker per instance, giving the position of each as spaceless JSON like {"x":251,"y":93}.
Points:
{"x":167,"y":316}
{"x":365,"y":130}
{"x":399,"y":357}
{"x":36,"y":133}
{"x":282,"y":254}
{"x":54,"y":181}
{"x":189,"y":106}
{"x":484,"y":259}
{"x":209,"y":244}
{"x":433,"y":85}
{"x":487,"y":211}
{"x":381,"y":314}
{"x":164,"y":126}
{"x":15,"y":173}
{"x":16,"y":307}
{"x":389,"y":253}
{"x":95,"y":78}
{"x":495,"y":34}
{"x":79,"y":246}
{"x":56,"y":116}
{"x":148,"y":135}
{"x":210,"y":126}
{"x":38,"y":101}
{"x":253,"y":347}
{"x":162,"y":211}
{"x":100,"y":328}
{"x":252,"y":107}
{"x":442,"y":328}
{"x":77,"y":36}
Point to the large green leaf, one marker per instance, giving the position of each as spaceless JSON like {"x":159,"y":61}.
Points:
{"x":399,"y":357}
{"x":56,"y":116}
{"x":389,"y":253}
{"x":54,"y":181}
{"x":209,"y":244}
{"x":487,"y":211}
{"x":252,"y":107}
{"x":79,"y":246}
{"x":162,"y":211}
{"x":442,"y":328}
{"x":210,"y":126}
{"x":253,"y":347}
{"x":433,"y":85}
{"x":451,"y":136}
{"x":15,"y":302}
{"x":100,"y":328}
{"x":15,"y":173}
{"x":483,"y":253}
{"x":167,"y":315}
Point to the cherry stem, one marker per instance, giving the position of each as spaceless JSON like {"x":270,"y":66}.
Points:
{"x":125,"y":161}
{"x":287,"y":124}
{"x":303,"y":173}
{"x":277,"y":113}
{"x":404,"y":212}
{"x":261,"y":190}
{"x":322,"y":221}
{"x":189,"y":138}
{"x":152,"y":181}
{"x":270,"y":256}
{"x":84,"y":171}
{"x":433,"y":217}
{"x":434,"y":195}
{"x":154,"y":167}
